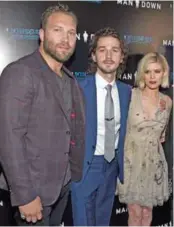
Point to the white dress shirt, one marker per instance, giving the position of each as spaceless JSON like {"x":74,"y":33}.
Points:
{"x":101,"y":95}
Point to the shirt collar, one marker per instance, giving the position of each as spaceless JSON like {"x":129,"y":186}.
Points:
{"x":101,"y":82}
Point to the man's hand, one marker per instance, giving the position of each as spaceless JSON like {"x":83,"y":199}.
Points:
{"x":32,"y":211}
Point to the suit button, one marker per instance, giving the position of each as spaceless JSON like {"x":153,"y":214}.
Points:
{"x":72,"y":142}
{"x":88,"y":162}
{"x":93,"y":147}
{"x":68,"y":132}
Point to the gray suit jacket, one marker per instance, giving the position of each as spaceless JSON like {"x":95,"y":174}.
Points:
{"x":35,"y":131}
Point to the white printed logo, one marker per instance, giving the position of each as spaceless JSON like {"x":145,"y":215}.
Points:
{"x":140,"y":4}
{"x":166,"y":224}
{"x":1,"y":203}
{"x":121,"y":210}
{"x":85,"y":36}
{"x":168,"y":42}
{"x":128,"y":76}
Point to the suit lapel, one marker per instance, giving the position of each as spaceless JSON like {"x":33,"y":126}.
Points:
{"x":91,"y":107}
{"x":51,"y":79}
{"x":121,"y":100}
{"x":57,"y":93}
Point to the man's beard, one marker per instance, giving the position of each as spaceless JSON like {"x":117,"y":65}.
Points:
{"x":51,"y":51}
{"x":107,"y":71}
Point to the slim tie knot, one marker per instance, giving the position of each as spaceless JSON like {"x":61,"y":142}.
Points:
{"x":108,"y":88}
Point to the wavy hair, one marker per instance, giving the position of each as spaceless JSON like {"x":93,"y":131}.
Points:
{"x":104,"y":32}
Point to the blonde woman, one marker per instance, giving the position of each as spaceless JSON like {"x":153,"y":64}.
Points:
{"x":145,"y":168}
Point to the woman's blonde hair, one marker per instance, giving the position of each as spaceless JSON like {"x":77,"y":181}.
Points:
{"x":142,"y":67}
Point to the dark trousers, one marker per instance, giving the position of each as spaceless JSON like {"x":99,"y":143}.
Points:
{"x":6,"y":211}
{"x":92,"y":199}
{"x":52,"y":215}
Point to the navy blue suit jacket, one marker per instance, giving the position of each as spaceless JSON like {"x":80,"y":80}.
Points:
{"x":88,"y":86}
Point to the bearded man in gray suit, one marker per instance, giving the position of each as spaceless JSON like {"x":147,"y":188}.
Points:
{"x":42,"y":123}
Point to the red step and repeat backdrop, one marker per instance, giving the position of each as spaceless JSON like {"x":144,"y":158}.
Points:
{"x":144,"y":25}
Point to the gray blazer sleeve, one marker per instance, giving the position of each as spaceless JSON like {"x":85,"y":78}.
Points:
{"x":16,"y":95}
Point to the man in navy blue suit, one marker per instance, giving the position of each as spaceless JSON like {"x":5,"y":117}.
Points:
{"x":107,"y":102}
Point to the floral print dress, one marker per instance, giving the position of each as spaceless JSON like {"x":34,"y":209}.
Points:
{"x":145,"y":166}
